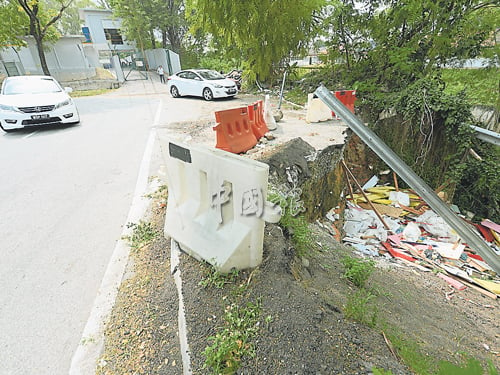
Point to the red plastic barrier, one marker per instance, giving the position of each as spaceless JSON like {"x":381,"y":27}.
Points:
{"x":234,"y":131}
{"x":347,"y":98}
{"x":256,"y":114}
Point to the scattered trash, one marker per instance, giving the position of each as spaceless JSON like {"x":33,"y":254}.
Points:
{"x":391,"y":222}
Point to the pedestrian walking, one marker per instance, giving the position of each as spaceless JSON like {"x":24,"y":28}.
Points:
{"x":161,"y":73}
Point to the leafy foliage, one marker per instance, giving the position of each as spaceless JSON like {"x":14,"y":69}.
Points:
{"x":233,"y":341}
{"x":360,"y":307}
{"x":476,"y":84}
{"x":260,"y":33}
{"x":357,"y":270}
{"x":142,"y":19}
{"x":143,"y":234}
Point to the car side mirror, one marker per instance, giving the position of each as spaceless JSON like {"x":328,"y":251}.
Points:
{"x":68,"y":90}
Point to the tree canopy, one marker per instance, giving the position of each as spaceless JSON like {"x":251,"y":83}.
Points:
{"x":262,"y":33}
{"x":395,"y":43}
{"x":144,"y":19}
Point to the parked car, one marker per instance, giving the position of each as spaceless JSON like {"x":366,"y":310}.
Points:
{"x":205,"y":83}
{"x":27,"y":101}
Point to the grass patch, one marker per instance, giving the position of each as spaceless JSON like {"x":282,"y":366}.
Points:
{"x":360,"y":307}
{"x":480,"y":85}
{"x":471,"y":366}
{"x":234,"y":339}
{"x":216,"y":279}
{"x":142,"y":234}
{"x":296,"y":95}
{"x":294,"y":223}
{"x":357,"y":270}
{"x":77,"y":94}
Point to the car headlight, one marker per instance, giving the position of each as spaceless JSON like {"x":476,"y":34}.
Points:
{"x":217,"y":86}
{"x":8,"y":108}
{"x":62,"y":104}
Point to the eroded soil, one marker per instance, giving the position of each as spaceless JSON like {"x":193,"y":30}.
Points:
{"x":303,"y":328}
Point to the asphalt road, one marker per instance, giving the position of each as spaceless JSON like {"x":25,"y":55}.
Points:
{"x":65,"y":194}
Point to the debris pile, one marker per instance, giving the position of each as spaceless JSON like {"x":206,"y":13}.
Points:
{"x":384,"y":221}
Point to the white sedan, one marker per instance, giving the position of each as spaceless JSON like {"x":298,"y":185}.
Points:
{"x":27,"y":101}
{"x":205,"y":83}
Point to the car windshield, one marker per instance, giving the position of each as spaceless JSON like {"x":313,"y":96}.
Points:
{"x":31,"y":86}
{"x":210,"y":74}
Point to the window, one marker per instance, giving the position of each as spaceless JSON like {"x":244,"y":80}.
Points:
{"x":114,"y":36}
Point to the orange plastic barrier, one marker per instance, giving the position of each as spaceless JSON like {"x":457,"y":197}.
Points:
{"x":347,"y":98}
{"x":256,"y":115}
{"x":234,"y":131}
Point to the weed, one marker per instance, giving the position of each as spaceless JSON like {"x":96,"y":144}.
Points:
{"x":76,"y":94}
{"x":142,"y":234}
{"x":233,"y":341}
{"x":472,"y":367}
{"x":409,"y":351}
{"x":160,"y":193}
{"x":216,"y":279}
{"x":380,"y":371}
{"x":357,"y":270}
{"x":360,"y":308}
{"x":295,"y":224}
{"x":302,"y":238}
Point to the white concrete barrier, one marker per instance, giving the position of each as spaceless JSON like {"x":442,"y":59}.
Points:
{"x":317,"y":110}
{"x":217,"y":204}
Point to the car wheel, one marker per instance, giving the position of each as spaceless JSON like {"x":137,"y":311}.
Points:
{"x":174,"y":91}
{"x":207,"y":94}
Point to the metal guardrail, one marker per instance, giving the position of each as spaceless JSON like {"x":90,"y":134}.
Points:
{"x":487,"y":135}
{"x":411,"y":178}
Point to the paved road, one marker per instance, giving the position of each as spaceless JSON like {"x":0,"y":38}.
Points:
{"x":65,"y":194}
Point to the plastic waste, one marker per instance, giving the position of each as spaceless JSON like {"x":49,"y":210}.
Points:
{"x":436,"y":225}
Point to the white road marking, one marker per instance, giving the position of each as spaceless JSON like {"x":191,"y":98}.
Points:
{"x":84,"y":361}
{"x":30,"y":134}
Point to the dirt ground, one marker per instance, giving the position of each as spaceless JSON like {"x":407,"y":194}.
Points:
{"x":303,"y":328}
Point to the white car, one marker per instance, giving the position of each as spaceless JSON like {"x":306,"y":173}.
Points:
{"x":208,"y":84}
{"x":27,"y":101}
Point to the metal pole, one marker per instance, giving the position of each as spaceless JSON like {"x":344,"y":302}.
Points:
{"x":412,"y":179}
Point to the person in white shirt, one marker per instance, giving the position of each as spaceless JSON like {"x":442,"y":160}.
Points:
{"x":161,"y":73}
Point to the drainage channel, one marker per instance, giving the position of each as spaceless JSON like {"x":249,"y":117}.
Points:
{"x":176,"y":272}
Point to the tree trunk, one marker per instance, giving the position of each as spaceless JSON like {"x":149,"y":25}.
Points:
{"x":153,"y":41}
{"x":41,"y":55}
{"x":164,"y":38}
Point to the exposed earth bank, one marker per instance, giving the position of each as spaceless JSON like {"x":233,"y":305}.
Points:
{"x":302,"y":307}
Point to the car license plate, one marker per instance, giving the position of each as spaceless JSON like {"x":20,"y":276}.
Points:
{"x":38,"y":117}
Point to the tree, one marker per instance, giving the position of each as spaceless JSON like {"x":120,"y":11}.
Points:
{"x":41,"y":23}
{"x":10,"y":15}
{"x":70,"y":22}
{"x":405,"y":41}
{"x":262,"y":33}
{"x":142,"y":20}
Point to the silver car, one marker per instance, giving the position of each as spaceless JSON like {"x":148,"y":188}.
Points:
{"x":27,"y":101}
{"x":205,"y":83}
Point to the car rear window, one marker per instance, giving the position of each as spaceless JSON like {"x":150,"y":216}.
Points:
{"x":30,"y":86}
{"x":210,"y":74}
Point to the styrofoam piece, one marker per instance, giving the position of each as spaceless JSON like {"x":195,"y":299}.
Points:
{"x":317,"y":110}
{"x":216,"y":204}
{"x":268,"y":114}
{"x":399,"y":197}
{"x":412,"y":232}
